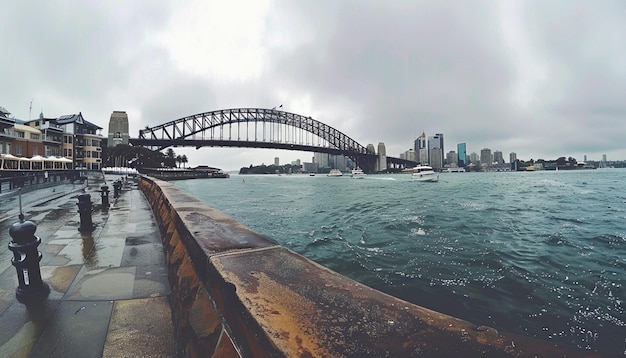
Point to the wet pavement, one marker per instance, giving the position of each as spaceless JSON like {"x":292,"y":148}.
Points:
{"x":109,"y":294}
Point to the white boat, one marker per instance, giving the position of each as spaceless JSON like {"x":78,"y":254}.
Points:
{"x":358,"y":174}
{"x":423,"y":173}
{"x":335,"y":173}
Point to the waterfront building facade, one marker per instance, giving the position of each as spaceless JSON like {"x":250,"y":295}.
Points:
{"x":82,"y":141}
{"x":6,"y":124}
{"x":118,"y":129}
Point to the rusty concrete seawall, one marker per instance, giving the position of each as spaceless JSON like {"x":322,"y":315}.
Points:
{"x":236,"y":293}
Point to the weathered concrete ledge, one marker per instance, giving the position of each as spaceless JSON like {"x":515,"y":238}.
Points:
{"x":236,"y":293}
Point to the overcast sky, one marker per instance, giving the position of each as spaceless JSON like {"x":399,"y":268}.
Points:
{"x":540,"y":78}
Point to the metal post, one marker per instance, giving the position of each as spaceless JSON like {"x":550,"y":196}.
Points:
{"x":84,"y":209}
{"x":117,"y":186}
{"x":104,"y":193}
{"x":26,"y":259}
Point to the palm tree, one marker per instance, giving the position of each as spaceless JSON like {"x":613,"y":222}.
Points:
{"x":179,"y":160}
{"x":184,"y":160}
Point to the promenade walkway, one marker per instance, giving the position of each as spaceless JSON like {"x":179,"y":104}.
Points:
{"x":109,"y":290}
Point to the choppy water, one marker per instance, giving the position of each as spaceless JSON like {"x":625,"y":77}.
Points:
{"x":542,"y":254}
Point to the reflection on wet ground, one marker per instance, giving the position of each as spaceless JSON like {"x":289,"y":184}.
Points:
{"x":89,"y":275}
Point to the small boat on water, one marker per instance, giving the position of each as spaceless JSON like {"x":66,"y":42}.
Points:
{"x":335,"y":173}
{"x":358,"y":174}
{"x":423,"y":173}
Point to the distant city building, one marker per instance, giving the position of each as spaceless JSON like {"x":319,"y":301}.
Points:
{"x":321,"y":159}
{"x":603,"y":158}
{"x":452,"y":159}
{"x":462,"y":155}
{"x":497,"y":157}
{"x":485,"y":156}
{"x":435,"y":151}
{"x":421,"y":149}
{"x":585,"y":158}
{"x":310,"y":167}
{"x":474,"y":158}
{"x":118,"y":129}
{"x":297,"y":162}
{"x":276,"y":161}
{"x":512,"y":157}
{"x":410,"y":155}
{"x":382,"y":157}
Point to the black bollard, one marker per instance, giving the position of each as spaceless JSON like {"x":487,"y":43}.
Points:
{"x":104,"y":193}
{"x":26,"y":261}
{"x":117,"y":186}
{"x":85,"y":208}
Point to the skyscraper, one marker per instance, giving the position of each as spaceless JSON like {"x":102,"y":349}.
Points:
{"x":435,"y":151}
{"x":462,"y":152}
{"x":421,"y":149}
{"x":497,"y":157}
{"x":485,"y":156}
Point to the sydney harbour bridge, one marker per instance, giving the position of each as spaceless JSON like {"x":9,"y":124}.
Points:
{"x":263,"y":128}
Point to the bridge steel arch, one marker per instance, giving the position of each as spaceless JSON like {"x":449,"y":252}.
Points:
{"x":269,"y":129}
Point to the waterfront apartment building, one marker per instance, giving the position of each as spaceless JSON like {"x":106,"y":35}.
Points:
{"x":512,"y":157}
{"x":69,"y":136}
{"x":118,"y":129}
{"x":82,"y":141}
{"x":6,"y":124}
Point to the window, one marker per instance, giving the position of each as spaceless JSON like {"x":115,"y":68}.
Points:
{"x":18,"y":149}
{"x":35,"y":136}
{"x":19,"y":134}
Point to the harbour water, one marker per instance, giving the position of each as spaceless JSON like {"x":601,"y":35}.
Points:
{"x":542,"y":254}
